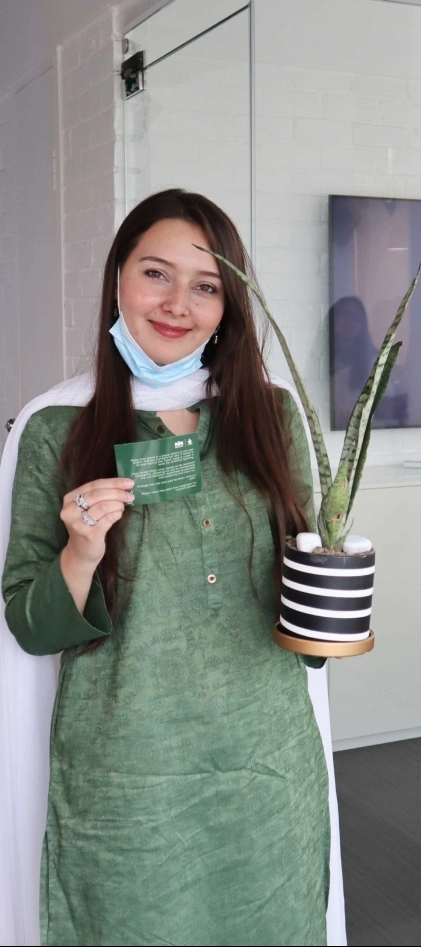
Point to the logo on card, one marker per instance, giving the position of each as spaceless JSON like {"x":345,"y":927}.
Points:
{"x":179,"y":444}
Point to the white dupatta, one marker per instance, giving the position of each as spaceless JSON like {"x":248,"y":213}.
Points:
{"x":27,"y":691}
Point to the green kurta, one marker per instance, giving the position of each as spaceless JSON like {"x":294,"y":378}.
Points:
{"x":188,"y":797}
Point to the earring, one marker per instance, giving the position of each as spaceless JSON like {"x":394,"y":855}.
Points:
{"x":216,"y":336}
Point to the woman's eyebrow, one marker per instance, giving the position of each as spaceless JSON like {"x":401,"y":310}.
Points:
{"x":209,"y":273}
{"x":158,"y":259}
{"x":155,"y":259}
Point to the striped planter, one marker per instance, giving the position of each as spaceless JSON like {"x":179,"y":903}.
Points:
{"x":327,"y":598}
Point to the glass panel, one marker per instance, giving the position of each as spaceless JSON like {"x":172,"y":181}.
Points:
{"x":177,"y":23}
{"x":191,"y":126}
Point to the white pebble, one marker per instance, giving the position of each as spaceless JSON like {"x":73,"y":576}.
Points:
{"x":308,"y":542}
{"x":355,"y":544}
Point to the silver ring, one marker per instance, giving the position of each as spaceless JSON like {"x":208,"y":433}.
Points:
{"x":88,"y":520}
{"x":81,"y":502}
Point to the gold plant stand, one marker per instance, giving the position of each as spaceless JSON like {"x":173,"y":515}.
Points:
{"x":321,"y":649}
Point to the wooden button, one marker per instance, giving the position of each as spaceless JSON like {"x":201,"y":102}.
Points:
{"x":207,"y":522}
{"x":211,"y":579}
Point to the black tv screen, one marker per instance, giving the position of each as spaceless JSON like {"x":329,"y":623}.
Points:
{"x":375,"y":250}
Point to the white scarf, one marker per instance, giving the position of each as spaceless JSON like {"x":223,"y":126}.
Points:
{"x":27,"y":691}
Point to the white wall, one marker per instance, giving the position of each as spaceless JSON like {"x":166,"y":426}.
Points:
{"x":338,"y":112}
{"x":92,"y":154}
{"x":31,"y":30}
{"x":376,"y":697}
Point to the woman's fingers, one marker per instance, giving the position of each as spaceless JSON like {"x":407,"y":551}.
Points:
{"x":119,"y":484}
{"x":74,"y":518}
{"x":97,"y":495}
{"x":104,"y":508}
{"x":104,"y":502}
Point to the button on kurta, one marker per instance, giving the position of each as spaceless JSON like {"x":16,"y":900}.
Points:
{"x":210,"y":542}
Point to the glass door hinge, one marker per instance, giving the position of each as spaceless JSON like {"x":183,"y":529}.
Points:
{"x":133,"y":74}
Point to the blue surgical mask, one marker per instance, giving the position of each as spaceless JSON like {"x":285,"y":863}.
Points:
{"x":144,"y":367}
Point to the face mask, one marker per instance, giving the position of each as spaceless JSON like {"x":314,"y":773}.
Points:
{"x":144,"y":367}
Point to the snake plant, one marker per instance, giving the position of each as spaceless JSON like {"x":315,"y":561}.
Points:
{"x":338,"y":493}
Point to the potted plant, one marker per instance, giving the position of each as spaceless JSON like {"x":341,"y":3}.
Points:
{"x":327,"y":580}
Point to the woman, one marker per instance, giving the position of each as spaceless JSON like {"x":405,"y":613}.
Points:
{"x":188,"y":793}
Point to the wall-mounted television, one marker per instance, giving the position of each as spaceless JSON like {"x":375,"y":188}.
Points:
{"x":375,"y":250}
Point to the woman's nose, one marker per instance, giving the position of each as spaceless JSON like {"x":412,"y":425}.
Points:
{"x":177,"y":300}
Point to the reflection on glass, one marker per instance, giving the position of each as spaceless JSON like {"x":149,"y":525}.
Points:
{"x":375,"y":249}
{"x":354,"y":355}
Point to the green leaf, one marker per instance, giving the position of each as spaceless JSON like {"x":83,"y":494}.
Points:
{"x":337,"y":506}
{"x":323,"y":463}
{"x":362,"y":411}
{"x":381,"y":390}
{"x":333,"y":509}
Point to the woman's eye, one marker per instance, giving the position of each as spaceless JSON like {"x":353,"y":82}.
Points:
{"x":154,"y":274}
{"x":207,"y":288}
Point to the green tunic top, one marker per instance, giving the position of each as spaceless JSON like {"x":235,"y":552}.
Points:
{"x":188,"y":797}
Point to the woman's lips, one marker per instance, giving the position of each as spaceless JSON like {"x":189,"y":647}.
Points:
{"x":170,"y":332}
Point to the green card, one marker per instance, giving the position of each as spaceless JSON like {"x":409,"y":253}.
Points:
{"x":164,"y":469}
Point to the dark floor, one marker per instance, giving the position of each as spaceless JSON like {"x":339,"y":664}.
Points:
{"x":379,"y":793}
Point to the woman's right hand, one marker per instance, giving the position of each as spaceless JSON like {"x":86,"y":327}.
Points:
{"x":106,"y":500}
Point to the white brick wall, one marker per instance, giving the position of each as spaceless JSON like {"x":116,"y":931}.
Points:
{"x":92,"y":175}
{"x":9,"y":376}
{"x":320,"y":131}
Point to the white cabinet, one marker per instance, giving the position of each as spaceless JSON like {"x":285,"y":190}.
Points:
{"x":377,"y":697}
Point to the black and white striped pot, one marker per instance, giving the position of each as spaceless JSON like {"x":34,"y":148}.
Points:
{"x":327,"y":598}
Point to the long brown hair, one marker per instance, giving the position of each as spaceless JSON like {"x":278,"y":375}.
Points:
{"x":249,"y":420}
